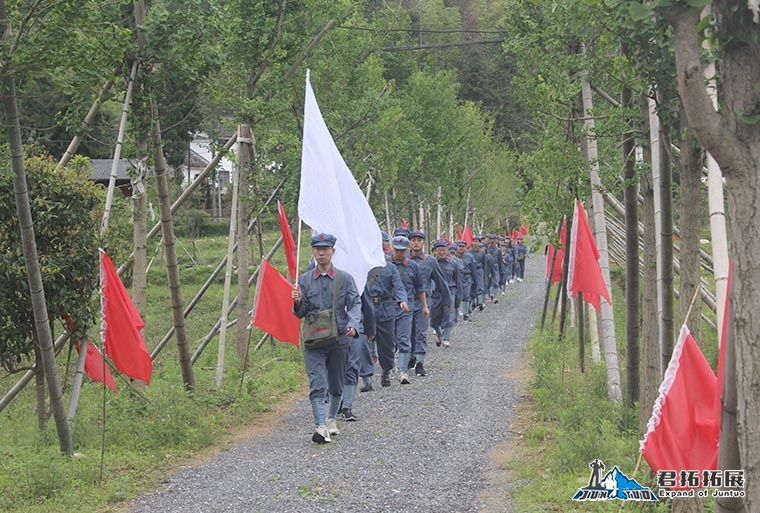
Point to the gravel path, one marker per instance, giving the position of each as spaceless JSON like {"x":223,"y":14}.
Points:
{"x":422,"y":447}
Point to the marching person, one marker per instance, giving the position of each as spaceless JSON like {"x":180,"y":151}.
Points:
{"x":442,"y":316}
{"x":325,"y":366}
{"x":415,"y":292}
{"x":521,"y":253}
{"x":431,"y":279}
{"x":359,"y":361}
{"x":468,"y":274}
{"x":388,"y":296}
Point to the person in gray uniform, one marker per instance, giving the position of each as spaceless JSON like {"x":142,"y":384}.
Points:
{"x":388,"y":296}
{"x":442,"y":316}
{"x":468,"y":274}
{"x":432,"y":279}
{"x":325,"y":365}
{"x":415,"y":293}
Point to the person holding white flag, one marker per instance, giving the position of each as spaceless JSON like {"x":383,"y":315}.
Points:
{"x":331,"y":201}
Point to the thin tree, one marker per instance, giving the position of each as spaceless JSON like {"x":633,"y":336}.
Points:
{"x":43,"y":331}
{"x":631,"y":199}
{"x":172,"y":269}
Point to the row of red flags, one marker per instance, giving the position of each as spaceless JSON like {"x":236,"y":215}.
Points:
{"x":682,"y":433}
{"x":684,"y":429}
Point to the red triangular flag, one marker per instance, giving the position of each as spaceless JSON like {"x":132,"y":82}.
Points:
{"x":515,"y":235}
{"x":273,"y":305}
{"x":584,"y":274}
{"x":467,"y":235}
{"x":524,"y":229}
{"x":460,"y":236}
{"x":288,"y":242}
{"x":683,"y":432}
{"x":95,"y":366}
{"x":121,"y":324}
{"x":404,"y":223}
{"x":558,"y":261}
{"x":556,"y":272}
{"x":562,"y":232}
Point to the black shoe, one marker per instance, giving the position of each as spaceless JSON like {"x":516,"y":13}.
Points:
{"x":438,"y":340}
{"x":481,"y":306}
{"x":385,"y":381}
{"x":412,"y":362}
{"x":419,"y":370}
{"x":496,"y":300}
{"x":348,"y":415}
{"x":367,"y":387}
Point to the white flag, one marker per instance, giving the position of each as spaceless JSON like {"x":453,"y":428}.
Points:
{"x":331,"y":201}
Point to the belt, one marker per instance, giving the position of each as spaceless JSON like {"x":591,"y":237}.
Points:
{"x":380,"y":299}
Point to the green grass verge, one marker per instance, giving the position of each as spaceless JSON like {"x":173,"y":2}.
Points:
{"x":146,"y":435}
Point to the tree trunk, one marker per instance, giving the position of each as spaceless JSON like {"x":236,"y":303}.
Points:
{"x":690,"y":168}
{"x":609,"y":343}
{"x":631,"y":198}
{"x":651,"y":375}
{"x":31,"y":258}
{"x":733,"y":138}
{"x":666,"y":247}
{"x":172,"y":270}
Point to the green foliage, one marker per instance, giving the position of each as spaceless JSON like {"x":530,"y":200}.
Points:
{"x":66,"y":211}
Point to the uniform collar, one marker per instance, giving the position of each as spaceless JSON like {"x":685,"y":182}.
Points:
{"x":330,"y":273}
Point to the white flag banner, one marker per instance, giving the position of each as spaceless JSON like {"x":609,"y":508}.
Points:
{"x":330,"y":200}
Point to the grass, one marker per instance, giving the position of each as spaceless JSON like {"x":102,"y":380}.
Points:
{"x":146,"y":434}
{"x":568,"y":422}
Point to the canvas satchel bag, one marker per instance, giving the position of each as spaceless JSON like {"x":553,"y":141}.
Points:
{"x":320,"y":329}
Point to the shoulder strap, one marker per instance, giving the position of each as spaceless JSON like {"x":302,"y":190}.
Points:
{"x":373,"y":277}
{"x":336,"y":288}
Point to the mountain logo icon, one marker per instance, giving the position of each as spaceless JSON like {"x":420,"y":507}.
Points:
{"x":611,"y":486}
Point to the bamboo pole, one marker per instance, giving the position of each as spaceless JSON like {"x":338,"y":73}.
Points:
{"x":185,"y":195}
{"x":88,"y":120}
{"x":233,"y":303}
{"x":231,"y":240}
{"x":600,"y":234}
{"x":211,"y":279}
{"x":172,"y":269}
{"x":76,"y":386}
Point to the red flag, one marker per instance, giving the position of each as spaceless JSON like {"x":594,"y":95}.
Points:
{"x":404,"y":223}
{"x":515,"y":234}
{"x":524,"y":229}
{"x":121,"y":325}
{"x":95,"y":366}
{"x":558,"y":261}
{"x":459,"y":233}
{"x":273,"y":305}
{"x":288,"y":242}
{"x":467,"y":235}
{"x":683,"y":432}
{"x":584,"y":273}
{"x":556,"y":272}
